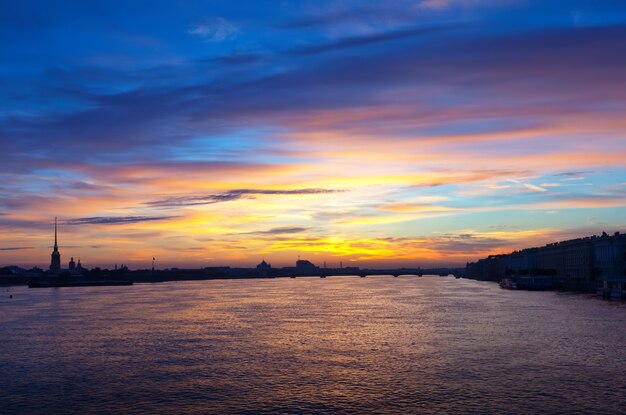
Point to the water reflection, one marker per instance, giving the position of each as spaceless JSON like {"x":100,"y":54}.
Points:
{"x":334,"y":345}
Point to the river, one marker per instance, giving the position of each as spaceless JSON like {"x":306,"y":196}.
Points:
{"x":338,"y":345}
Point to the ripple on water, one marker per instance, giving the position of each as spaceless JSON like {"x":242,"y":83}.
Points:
{"x":337,"y":346}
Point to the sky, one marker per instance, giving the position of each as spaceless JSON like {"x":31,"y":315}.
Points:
{"x":396,"y":133}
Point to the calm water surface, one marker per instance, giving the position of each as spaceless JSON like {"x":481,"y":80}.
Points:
{"x":309,"y":345}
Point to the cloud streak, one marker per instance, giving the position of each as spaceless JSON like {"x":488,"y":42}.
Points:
{"x":359,"y":41}
{"x":216,"y":29}
{"x":235,"y":195}
{"x":115,"y":220}
{"x":280,"y":231}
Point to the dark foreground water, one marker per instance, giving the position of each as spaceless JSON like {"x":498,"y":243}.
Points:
{"x":310,"y":345}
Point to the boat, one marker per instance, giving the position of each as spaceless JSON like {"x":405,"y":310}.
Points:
{"x":508,"y":283}
{"x":77,"y":283}
{"x":614,"y":289}
{"x":527,"y":282}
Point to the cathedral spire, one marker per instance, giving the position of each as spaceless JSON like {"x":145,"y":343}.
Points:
{"x":55,"y":263}
{"x":56,"y":247}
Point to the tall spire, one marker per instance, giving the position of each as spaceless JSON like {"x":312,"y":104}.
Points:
{"x":55,"y":263}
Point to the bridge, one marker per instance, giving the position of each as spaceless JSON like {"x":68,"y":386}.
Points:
{"x":338,"y":272}
{"x":292,"y":272}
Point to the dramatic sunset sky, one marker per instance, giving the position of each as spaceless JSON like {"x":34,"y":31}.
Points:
{"x":209,"y":133}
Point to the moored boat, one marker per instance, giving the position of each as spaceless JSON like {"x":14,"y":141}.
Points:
{"x":615,"y":289}
{"x":527,"y":282}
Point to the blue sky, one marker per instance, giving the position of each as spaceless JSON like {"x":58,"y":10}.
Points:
{"x":413,"y":133}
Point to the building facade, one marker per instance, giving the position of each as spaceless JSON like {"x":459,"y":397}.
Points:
{"x":610,"y":256}
{"x":576,"y":263}
{"x":523,"y":261}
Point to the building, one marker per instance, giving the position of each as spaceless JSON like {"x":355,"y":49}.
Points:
{"x":302,"y":265}
{"x":610,"y":264}
{"x":577,"y":261}
{"x":610,"y":256}
{"x":492,"y":268}
{"x":549,"y":258}
{"x":570,"y":261}
{"x":264,"y":268}
{"x":524,"y":261}
{"x":580,"y":264}
{"x":497,"y":267}
{"x":55,"y":263}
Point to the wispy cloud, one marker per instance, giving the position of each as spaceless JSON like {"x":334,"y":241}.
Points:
{"x":307,"y":191}
{"x":573,"y":175}
{"x":529,"y":186}
{"x":446,"y":178}
{"x":332,"y":17}
{"x":234,"y":195}
{"x":193,"y":200}
{"x":16,"y":248}
{"x":114,"y":220}
{"x":435,"y":4}
{"x":283,"y":230}
{"x":534,"y":187}
{"x":215,"y":29}
{"x":357,"y":41}
{"x":235,"y":59}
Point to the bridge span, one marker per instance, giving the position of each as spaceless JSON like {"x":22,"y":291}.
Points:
{"x":324,"y":273}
